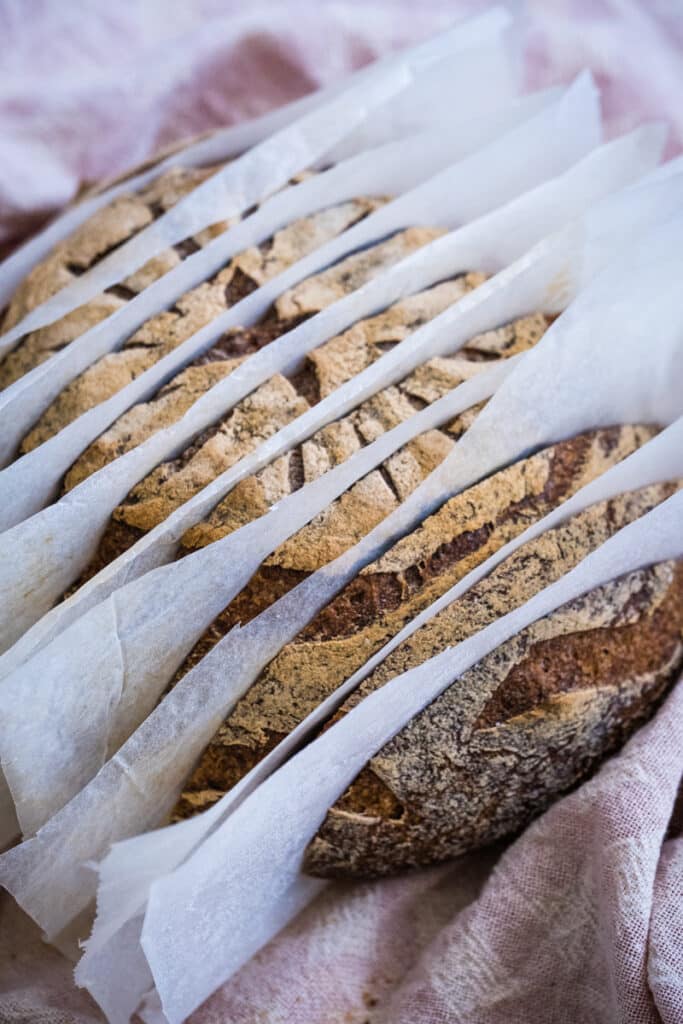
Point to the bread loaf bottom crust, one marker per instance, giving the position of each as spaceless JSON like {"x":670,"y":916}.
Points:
{"x":389,"y":593}
{"x":525,"y":724}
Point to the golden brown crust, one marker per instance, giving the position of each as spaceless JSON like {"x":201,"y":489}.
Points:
{"x":237,"y":433}
{"x":525,"y":724}
{"x":344,"y":522}
{"x":94,"y":239}
{"x":159,"y":335}
{"x":392,"y":590}
{"x":140,"y":421}
{"x":255,"y":419}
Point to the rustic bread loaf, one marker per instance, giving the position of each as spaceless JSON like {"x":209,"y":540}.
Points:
{"x":391,"y":591}
{"x":524,"y":725}
{"x":280,"y":400}
{"x":110,"y":227}
{"x":244,"y":273}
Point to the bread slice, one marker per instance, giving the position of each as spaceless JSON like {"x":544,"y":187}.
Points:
{"x":392,"y":590}
{"x":110,"y":227}
{"x":524,"y":725}
{"x":192,"y":311}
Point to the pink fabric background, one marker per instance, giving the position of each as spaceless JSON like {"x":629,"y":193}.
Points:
{"x":581,"y":919}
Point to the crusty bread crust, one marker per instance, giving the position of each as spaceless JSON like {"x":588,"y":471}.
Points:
{"x":110,"y":227}
{"x":162,"y":333}
{"x":279,"y":401}
{"x":525,"y":724}
{"x":391,"y":591}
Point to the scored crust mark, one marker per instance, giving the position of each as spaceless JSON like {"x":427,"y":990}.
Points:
{"x":218,"y":447}
{"x":99,"y":236}
{"x":368,"y":501}
{"x":140,"y":421}
{"x":164,"y":332}
{"x":525,"y":724}
{"x":410,"y":576}
{"x":332,"y":445}
{"x":253,"y":421}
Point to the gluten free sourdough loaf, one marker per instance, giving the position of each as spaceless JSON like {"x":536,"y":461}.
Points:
{"x":526,"y":723}
{"x":390,"y":592}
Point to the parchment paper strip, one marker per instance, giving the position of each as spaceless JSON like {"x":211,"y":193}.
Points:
{"x":55,"y":565}
{"x":126,"y":873}
{"x":389,"y":169}
{"x":154,"y":625}
{"x":243,"y":884}
{"x":487,"y":33}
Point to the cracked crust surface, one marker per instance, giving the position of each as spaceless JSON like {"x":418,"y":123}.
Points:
{"x":386,"y":594}
{"x":173,"y":482}
{"x":134,"y":426}
{"x":525,"y":724}
{"x":108,"y":228}
{"x":162,"y":333}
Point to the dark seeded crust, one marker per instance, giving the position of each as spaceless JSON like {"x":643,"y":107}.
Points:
{"x":109,"y":228}
{"x":524,"y":725}
{"x":386,"y":595}
{"x":162,"y":333}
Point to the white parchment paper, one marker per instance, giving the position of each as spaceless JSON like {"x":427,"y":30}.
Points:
{"x":130,"y":645}
{"x":488,"y":35}
{"x":126,"y":873}
{"x":155,"y":650}
{"x":131,"y":866}
{"x":470,"y":188}
{"x":389,"y":169}
{"x":135,"y":788}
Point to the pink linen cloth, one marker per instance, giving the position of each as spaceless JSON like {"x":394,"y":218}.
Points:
{"x":580,"y":920}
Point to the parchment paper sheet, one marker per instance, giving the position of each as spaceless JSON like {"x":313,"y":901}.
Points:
{"x":53,"y":664}
{"x":102,"y":675}
{"x":127,"y":678}
{"x":491,"y":176}
{"x":388,"y":169}
{"x":243,"y":884}
{"x":44,"y":873}
{"x":126,"y":873}
{"x":33,"y":548}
